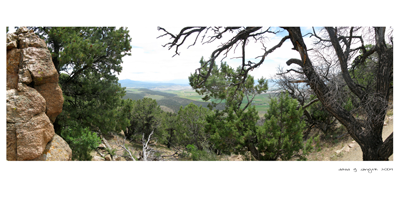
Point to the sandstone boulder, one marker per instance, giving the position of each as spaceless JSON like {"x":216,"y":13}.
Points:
{"x":52,"y":93}
{"x":108,"y":157}
{"x":24,"y":76}
{"x":13,"y":59}
{"x":56,"y":150}
{"x":97,"y":158}
{"x":29,"y":39}
{"x":33,"y":100}
{"x":11,"y":142}
{"x":12,"y":41}
{"x":33,"y":136}
{"x":120,"y":159}
{"x":23,"y":105}
{"x":21,"y":30}
{"x":39,"y":63}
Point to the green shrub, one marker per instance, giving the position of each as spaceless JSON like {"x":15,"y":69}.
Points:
{"x":82,"y":142}
{"x":112,"y":152}
{"x":199,"y":155}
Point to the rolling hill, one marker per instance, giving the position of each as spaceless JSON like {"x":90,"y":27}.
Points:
{"x":167,"y":101}
{"x":153,"y":85}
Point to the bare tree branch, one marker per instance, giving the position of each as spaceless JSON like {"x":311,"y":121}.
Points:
{"x":122,"y":145}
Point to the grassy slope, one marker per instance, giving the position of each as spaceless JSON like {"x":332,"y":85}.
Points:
{"x":166,"y":99}
{"x":260,"y":101}
{"x":173,"y":99}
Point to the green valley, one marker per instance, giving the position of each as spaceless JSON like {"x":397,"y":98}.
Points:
{"x":173,"y":99}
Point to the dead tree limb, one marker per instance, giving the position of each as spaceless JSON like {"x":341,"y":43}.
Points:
{"x":126,"y":149}
{"x":146,"y":149}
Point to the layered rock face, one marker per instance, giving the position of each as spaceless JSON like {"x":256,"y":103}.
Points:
{"x":33,"y":100}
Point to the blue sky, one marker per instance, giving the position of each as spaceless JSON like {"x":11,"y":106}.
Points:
{"x":152,"y":62}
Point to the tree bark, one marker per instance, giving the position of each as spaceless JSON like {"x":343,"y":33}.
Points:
{"x":370,"y":138}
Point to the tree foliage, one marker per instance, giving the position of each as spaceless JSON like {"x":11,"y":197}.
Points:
{"x":337,"y":48}
{"x":281,"y":135}
{"x":87,"y":59}
{"x":170,"y":124}
{"x":233,"y":132}
{"x":145,"y":117}
{"x":225,"y":84}
{"x":82,"y":141}
{"x":191,"y":122}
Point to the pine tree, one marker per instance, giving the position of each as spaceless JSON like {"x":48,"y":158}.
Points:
{"x":234,"y":128}
{"x":281,"y":135}
{"x":191,"y":125}
{"x":170,"y":121}
{"x":87,"y":59}
{"x":145,"y":118}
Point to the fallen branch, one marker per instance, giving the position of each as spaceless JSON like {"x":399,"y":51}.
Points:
{"x":146,"y":149}
{"x":123,"y":147}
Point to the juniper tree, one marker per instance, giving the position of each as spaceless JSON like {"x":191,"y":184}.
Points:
{"x":191,"y":122}
{"x":87,"y":60}
{"x":145,"y":118}
{"x":345,"y":42}
{"x":170,"y":127}
{"x":232,"y":129}
{"x":281,"y":135}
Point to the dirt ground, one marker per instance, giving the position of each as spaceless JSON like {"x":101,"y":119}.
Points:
{"x":348,"y":150}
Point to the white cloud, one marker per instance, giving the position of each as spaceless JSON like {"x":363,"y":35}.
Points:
{"x":157,"y":64}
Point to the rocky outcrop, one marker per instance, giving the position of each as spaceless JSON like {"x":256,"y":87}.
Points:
{"x":34,"y":100}
{"x":56,"y":150}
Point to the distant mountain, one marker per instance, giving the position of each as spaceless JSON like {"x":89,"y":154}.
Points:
{"x":150,"y":85}
{"x":174,"y":81}
{"x":178,"y":84}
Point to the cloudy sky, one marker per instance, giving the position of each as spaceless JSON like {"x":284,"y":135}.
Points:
{"x":152,"y":62}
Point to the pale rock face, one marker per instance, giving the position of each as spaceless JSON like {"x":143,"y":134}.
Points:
{"x":31,"y":40}
{"x":121,"y":159}
{"x":54,"y":99}
{"x":22,"y":106}
{"x":38,"y":62}
{"x":33,"y":100}
{"x":97,"y":158}
{"x":11,"y":142}
{"x":12,"y":41}
{"x":33,"y":136}
{"x":56,"y":150}
{"x":24,"y":76}
{"x":13,"y":59}
{"x":22,"y":29}
{"x":108,"y":158}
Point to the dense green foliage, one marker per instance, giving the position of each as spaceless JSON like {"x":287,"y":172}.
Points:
{"x":200,"y":155}
{"x":220,"y":85}
{"x":234,"y":128}
{"x":282,"y":132}
{"x":145,"y":118}
{"x":81,"y":141}
{"x":191,"y":122}
{"x":170,"y":126}
{"x":87,"y":59}
{"x":232,"y":131}
{"x":96,"y":103}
